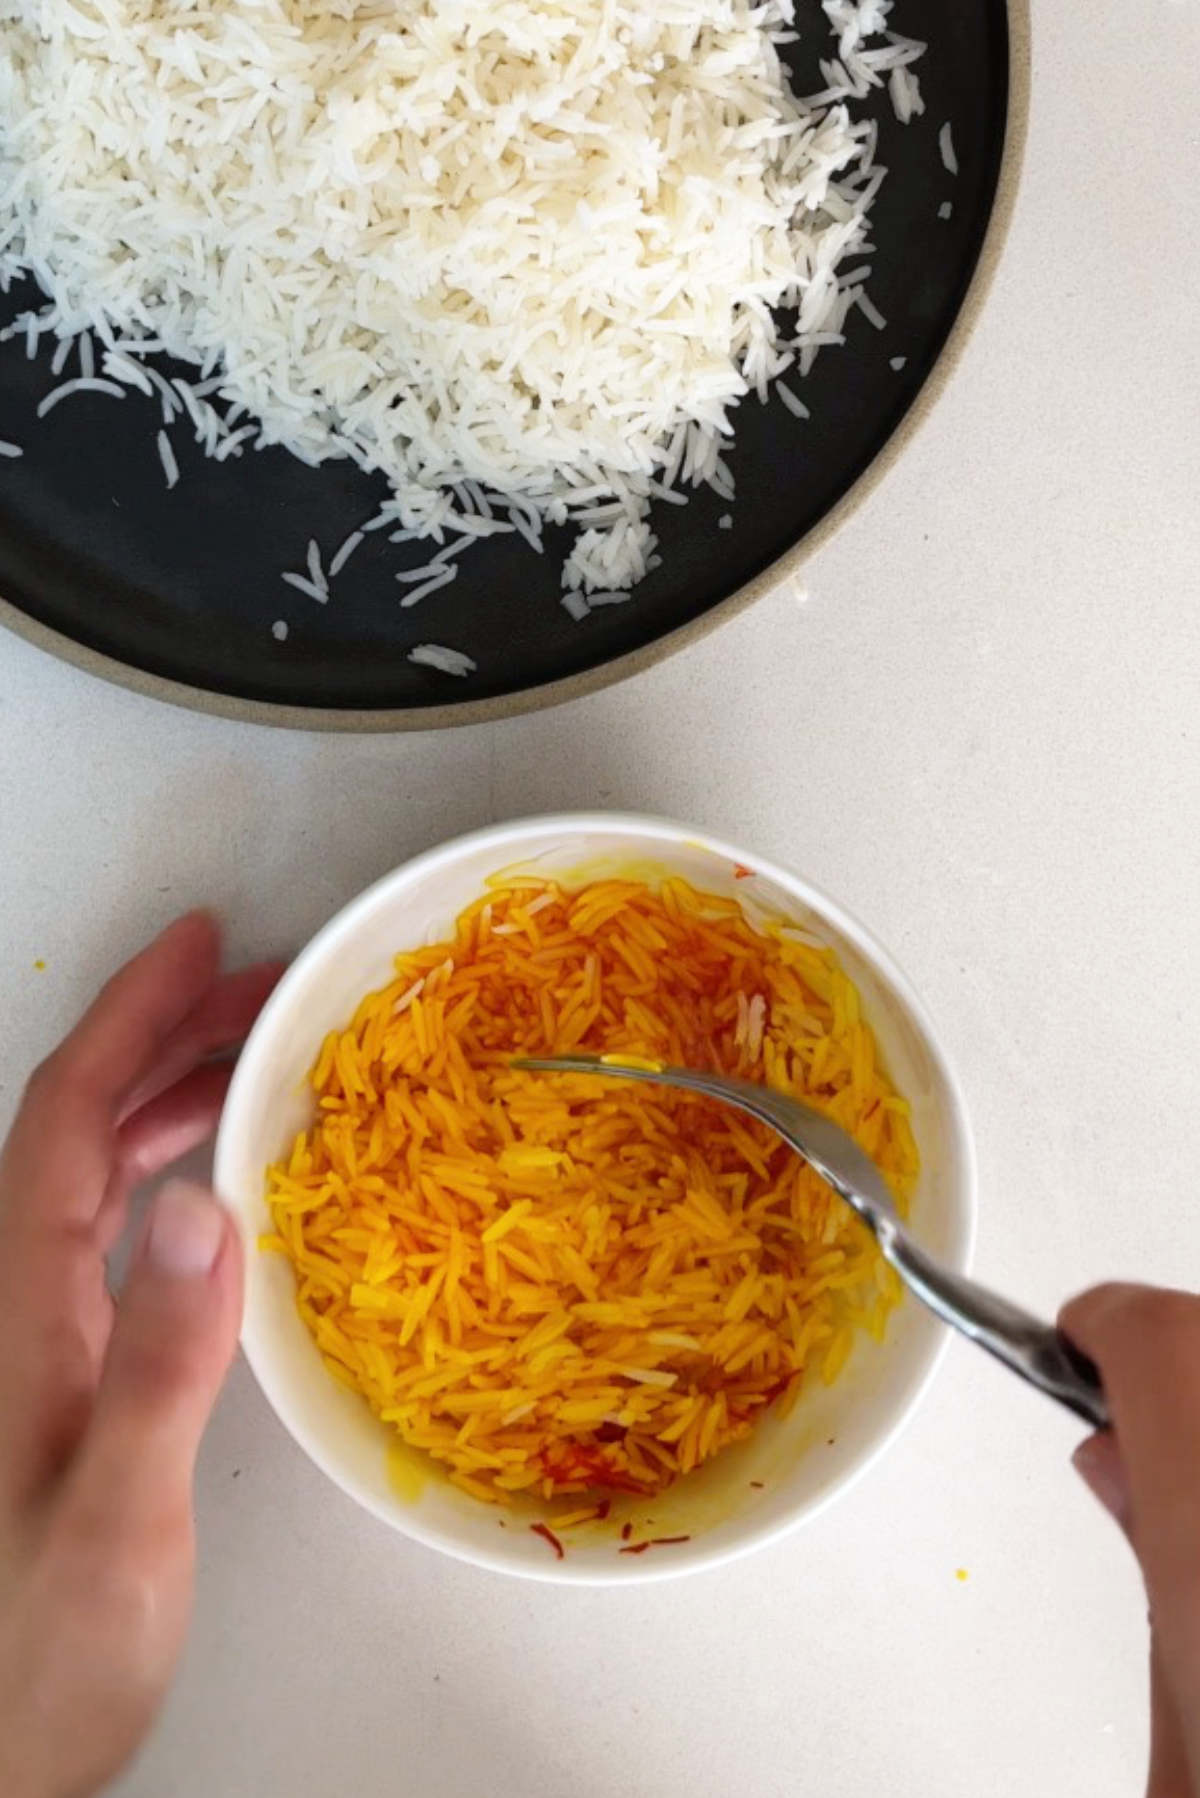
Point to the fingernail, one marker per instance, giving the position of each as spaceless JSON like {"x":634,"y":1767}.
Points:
{"x":1098,"y":1465}
{"x":187,"y":1228}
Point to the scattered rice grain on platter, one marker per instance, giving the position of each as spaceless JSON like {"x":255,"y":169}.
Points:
{"x":946,"y":146}
{"x":234,"y":443}
{"x":166,"y":456}
{"x":316,"y":573}
{"x":905,"y":91}
{"x":440,"y":578}
{"x":446,"y":661}
{"x":123,"y":368}
{"x":79,"y":384}
{"x":343,"y":554}
{"x":870,"y":311}
{"x":302,"y":584}
{"x":792,"y":401}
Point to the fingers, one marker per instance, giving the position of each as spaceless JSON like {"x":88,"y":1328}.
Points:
{"x":221,"y":1019}
{"x":179,"y":1105}
{"x":1146,"y":1344}
{"x":120,"y":1100}
{"x":1169,"y":1775}
{"x":1098,"y":1463}
{"x":173,"y":1123}
{"x":120,"y":1540}
{"x":162,"y":1132}
{"x":172,"y":1342}
{"x":56,"y":1163}
{"x":115,"y":1043}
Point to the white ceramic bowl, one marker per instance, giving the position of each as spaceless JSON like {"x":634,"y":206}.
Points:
{"x":803,"y":1460}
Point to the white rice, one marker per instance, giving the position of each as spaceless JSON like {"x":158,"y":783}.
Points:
{"x":946,"y":146}
{"x":279,"y":630}
{"x":870,"y":311}
{"x":80,"y":384}
{"x":417,"y":575}
{"x":905,"y":91}
{"x":858,"y":67}
{"x":316,"y":573}
{"x":168,"y":400}
{"x":166,"y":456}
{"x":447,"y":661}
{"x":898,"y":362}
{"x":792,"y":401}
{"x":307,"y":587}
{"x":946,"y":209}
{"x":526,"y":260}
{"x":232,"y":445}
{"x":124,"y":368}
{"x":343,"y":554}
{"x":442,"y":578}
{"x":10,"y":449}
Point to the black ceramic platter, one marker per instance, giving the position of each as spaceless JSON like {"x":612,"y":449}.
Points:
{"x":179,"y":592}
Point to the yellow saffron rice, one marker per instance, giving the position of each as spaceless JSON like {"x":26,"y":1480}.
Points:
{"x":564,"y":1285}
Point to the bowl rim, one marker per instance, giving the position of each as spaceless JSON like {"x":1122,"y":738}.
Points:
{"x":693,"y":1558}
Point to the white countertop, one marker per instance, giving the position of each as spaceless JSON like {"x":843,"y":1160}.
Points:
{"x":981,"y":733}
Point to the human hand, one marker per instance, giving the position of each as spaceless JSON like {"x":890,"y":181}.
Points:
{"x":1146,"y":1343}
{"x":102,"y":1407}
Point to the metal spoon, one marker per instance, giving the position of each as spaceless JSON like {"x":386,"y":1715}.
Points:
{"x":1036,"y":1351}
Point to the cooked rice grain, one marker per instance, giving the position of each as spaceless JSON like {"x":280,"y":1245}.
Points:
{"x":555,"y":1286}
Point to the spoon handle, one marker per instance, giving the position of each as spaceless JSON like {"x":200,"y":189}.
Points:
{"x":1037,"y":1351}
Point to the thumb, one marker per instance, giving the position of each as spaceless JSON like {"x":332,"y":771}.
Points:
{"x":174,"y":1337}
{"x":1098,"y":1463}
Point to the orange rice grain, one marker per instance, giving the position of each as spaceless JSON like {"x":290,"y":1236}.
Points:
{"x":560,"y":1285}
